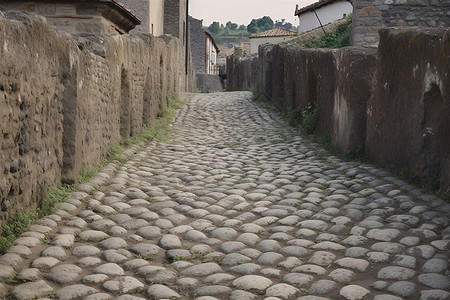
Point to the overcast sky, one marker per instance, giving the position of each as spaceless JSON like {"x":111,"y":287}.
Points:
{"x":243,"y":11}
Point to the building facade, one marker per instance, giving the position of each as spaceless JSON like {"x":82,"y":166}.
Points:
{"x":140,"y":8}
{"x":156,"y":22}
{"x":90,"y":16}
{"x":322,"y":13}
{"x":203,"y":47}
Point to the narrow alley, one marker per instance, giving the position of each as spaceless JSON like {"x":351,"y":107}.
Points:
{"x":236,"y":206}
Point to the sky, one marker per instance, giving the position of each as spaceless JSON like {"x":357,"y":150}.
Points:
{"x":243,"y":11}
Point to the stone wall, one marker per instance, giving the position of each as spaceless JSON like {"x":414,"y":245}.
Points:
{"x":369,"y":16}
{"x":65,"y":99}
{"x":408,"y":125}
{"x":395,"y":103}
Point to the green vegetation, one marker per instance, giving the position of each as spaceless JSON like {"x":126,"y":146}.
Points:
{"x":20,"y":223}
{"x":336,"y":39}
{"x":310,"y":117}
{"x":236,"y":34}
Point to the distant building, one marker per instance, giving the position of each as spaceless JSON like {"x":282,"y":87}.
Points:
{"x":156,"y":22}
{"x":322,"y":12}
{"x":151,"y":14}
{"x":141,"y":9}
{"x":204,"y":49}
{"x":73,"y":16}
{"x":273,"y":36}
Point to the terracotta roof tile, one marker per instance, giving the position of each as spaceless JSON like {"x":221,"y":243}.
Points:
{"x":278,"y":31}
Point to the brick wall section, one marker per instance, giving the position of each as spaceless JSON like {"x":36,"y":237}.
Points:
{"x":198,"y":45}
{"x":83,"y":93}
{"x":369,"y":16}
{"x":141,"y":9}
{"x":395,"y":102}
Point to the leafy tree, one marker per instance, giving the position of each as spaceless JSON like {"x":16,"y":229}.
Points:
{"x":264,"y":23}
{"x":253,"y":27}
{"x":232,"y":26}
{"x":242,"y":28}
{"x":214,"y":28}
{"x":283,"y":24}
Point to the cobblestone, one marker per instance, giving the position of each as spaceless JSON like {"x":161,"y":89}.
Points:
{"x":236,"y":206}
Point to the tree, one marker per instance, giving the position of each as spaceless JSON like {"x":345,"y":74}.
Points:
{"x":265,"y":23}
{"x":214,"y":28}
{"x":282,"y":24}
{"x":253,"y":27}
{"x":242,"y":28}
{"x":232,"y":26}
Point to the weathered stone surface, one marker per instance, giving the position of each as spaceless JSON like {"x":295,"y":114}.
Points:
{"x":32,"y":290}
{"x":158,"y":291}
{"x":354,"y":292}
{"x":282,"y":290}
{"x":123,"y":285}
{"x":64,"y":274}
{"x":252,"y":282}
{"x":75,"y":291}
{"x":202,"y":270}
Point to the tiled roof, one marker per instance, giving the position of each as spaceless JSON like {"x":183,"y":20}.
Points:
{"x":315,"y":5}
{"x":278,"y":31}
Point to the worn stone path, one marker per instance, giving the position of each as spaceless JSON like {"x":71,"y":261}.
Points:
{"x":236,"y":207}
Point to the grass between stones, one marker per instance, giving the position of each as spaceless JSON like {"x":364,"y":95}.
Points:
{"x":51,"y":195}
{"x":20,"y":222}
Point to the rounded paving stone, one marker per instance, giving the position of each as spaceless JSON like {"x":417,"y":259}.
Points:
{"x":125,"y":284}
{"x":395,"y":273}
{"x":342,"y":275}
{"x":203,"y":269}
{"x":146,"y":250}
{"x":297,"y":279}
{"x":54,"y":251}
{"x":75,"y":291}
{"x":245,"y":269}
{"x":44,"y":262}
{"x":402,"y":288}
{"x":322,"y":258}
{"x":354,"y":292}
{"x":194,"y":236}
{"x":169,"y":241}
{"x":224,"y":234}
{"x":252,"y":282}
{"x":250,"y":239}
{"x":282,"y":290}
{"x":159,"y":291}
{"x":94,"y":279}
{"x":213,"y":290}
{"x":32,"y":290}
{"x":270,"y":258}
{"x":322,"y":286}
{"x":149,"y":232}
{"x":113,"y":243}
{"x":86,"y":250}
{"x":110,"y":269}
{"x":435,"y":281}
{"x":64,"y":274}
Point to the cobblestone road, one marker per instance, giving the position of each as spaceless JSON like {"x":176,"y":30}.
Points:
{"x":235,"y":207}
